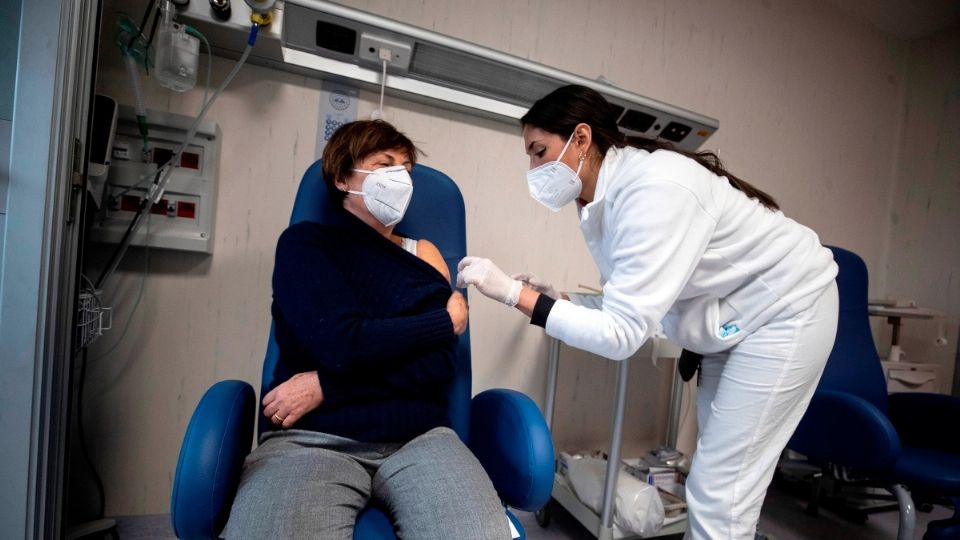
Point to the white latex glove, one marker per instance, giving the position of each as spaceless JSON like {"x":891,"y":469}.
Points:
{"x":537,"y":284}
{"x":488,"y":279}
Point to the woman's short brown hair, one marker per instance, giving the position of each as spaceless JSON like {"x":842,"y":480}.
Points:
{"x":355,"y":141}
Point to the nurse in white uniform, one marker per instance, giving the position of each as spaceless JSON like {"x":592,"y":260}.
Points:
{"x":682,"y":242}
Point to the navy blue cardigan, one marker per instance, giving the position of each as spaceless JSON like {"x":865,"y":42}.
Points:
{"x":371,"y":318}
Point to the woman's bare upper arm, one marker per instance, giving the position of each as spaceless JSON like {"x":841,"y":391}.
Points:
{"x":429,"y":253}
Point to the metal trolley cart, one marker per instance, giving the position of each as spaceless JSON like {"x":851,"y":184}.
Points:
{"x":602,"y":525}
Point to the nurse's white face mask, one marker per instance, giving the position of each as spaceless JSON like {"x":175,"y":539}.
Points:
{"x":386,"y":192}
{"x":555,"y":184}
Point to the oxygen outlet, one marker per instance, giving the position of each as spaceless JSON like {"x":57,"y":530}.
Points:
{"x":261,"y":11}
{"x":261,"y":19}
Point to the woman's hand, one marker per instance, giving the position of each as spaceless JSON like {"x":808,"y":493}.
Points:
{"x":293,"y":398}
{"x":459,"y":312}
{"x":488,"y":279}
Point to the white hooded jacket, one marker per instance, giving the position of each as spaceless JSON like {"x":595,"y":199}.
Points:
{"x":678,"y":245}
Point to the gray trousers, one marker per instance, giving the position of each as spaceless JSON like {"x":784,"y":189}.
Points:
{"x":304,"y":484}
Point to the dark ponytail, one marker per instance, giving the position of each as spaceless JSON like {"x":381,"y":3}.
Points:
{"x":560,"y":111}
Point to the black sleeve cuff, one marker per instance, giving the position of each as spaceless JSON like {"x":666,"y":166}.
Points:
{"x":541,"y":310}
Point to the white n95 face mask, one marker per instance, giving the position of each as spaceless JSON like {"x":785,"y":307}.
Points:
{"x":386,"y":192}
{"x":555,"y":184}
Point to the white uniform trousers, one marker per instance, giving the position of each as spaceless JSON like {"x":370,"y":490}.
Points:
{"x":750,"y":400}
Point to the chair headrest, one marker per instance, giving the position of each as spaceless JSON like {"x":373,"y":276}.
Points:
{"x":436,"y":210}
{"x":852,"y":279}
{"x":854,"y":365}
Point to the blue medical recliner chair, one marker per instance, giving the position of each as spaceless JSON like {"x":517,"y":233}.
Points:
{"x":503,"y":428}
{"x":907,"y":440}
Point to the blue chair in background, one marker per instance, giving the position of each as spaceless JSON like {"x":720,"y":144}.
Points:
{"x":503,"y":428}
{"x":906,"y":442}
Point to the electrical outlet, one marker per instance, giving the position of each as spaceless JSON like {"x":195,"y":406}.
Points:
{"x":675,"y":131}
{"x":371,"y":45}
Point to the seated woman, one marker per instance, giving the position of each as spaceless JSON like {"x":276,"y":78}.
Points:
{"x":367,"y":324}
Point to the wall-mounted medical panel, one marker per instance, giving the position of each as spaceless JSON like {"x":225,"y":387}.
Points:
{"x":340,"y":43}
{"x":183,"y":218}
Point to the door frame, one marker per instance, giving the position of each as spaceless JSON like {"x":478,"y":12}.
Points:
{"x":38,"y":273}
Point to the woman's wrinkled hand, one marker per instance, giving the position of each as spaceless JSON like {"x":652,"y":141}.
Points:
{"x":292,"y":399}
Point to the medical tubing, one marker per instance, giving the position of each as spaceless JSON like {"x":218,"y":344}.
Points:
{"x":153,"y":30}
{"x":84,"y":452}
{"x":97,"y":480}
{"x":143,"y":22}
{"x":116,"y":196}
{"x":124,"y":242}
{"x":166,"y":10}
{"x":133,"y":71}
{"x":156,"y":191}
{"x":171,"y":165}
{"x":136,"y":302}
{"x":196,"y":33}
{"x":131,"y":63}
{"x":146,"y":48}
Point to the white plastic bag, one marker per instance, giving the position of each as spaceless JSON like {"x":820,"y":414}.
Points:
{"x":638,"y":508}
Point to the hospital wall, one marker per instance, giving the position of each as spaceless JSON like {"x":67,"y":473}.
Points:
{"x":924,"y":260}
{"x":811,"y":104}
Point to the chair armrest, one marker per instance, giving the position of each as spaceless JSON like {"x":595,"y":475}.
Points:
{"x":926,"y":420}
{"x":512,"y":441}
{"x":218,"y":439}
{"x":846,"y":430}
